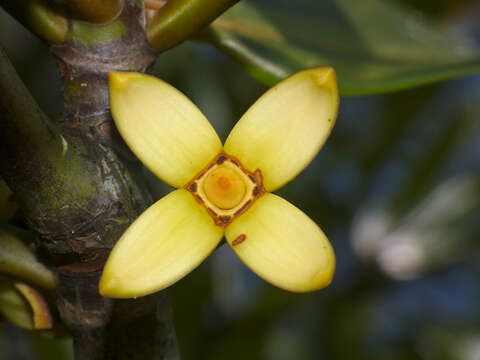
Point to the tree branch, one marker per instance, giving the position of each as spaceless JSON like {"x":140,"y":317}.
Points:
{"x":24,"y":123}
{"x":179,"y":19}
{"x":80,"y":190}
{"x":44,"y":169}
{"x":39,"y":18}
{"x":106,"y":329}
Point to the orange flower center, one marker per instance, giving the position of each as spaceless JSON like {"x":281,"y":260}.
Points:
{"x":224,"y":187}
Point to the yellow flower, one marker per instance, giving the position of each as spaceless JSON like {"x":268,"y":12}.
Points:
{"x":222,"y":191}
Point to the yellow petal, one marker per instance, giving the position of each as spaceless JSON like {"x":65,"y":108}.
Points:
{"x":286,"y":127}
{"x":282,"y":245}
{"x":164,"y":129}
{"x":164,"y":244}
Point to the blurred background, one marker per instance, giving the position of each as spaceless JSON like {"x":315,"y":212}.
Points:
{"x":396,"y":189}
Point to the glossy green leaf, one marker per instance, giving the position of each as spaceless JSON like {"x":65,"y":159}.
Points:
{"x":375,"y":46}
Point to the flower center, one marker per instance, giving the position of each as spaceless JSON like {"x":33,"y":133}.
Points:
{"x":224,"y":187}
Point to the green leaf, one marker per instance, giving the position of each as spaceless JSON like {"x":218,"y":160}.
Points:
{"x":17,"y":260}
{"x":375,"y":45}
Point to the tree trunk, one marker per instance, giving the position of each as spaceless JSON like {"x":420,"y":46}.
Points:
{"x":82,"y":205}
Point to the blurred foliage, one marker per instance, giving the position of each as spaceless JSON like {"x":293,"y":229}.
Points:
{"x":396,"y":189}
{"x":375,"y":45}
{"x":14,"y":306}
{"x":19,"y":344}
{"x":19,"y":261}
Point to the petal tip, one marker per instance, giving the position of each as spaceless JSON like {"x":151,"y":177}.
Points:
{"x":319,"y":282}
{"x":110,"y":287}
{"x":105,"y":287}
{"x":122,"y":79}
{"x":115,"y":287}
{"x":117,"y":79}
{"x":326,"y":76}
{"x":324,"y":276}
{"x":323,"y":279}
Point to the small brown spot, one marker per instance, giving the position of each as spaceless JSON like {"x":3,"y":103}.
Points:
{"x":242,"y":209}
{"x":241,"y":238}
{"x":193,"y":187}
{"x":221,"y":159}
{"x":256,"y":191}
{"x":329,"y":120}
{"x":251,"y":177}
{"x":224,"y":219}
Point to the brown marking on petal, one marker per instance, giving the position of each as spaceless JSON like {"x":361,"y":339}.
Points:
{"x":211,"y":166}
{"x":256,"y":191}
{"x":234,"y":162}
{"x":329,"y":120}
{"x":258,"y":177}
{"x":224,"y":219}
{"x":211,"y":212}
{"x":221,"y":159}
{"x":199,"y":198}
{"x":193,"y":187}
{"x":243,"y":208}
{"x":204,"y":171}
{"x":252,"y":178}
{"x":241,"y":238}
